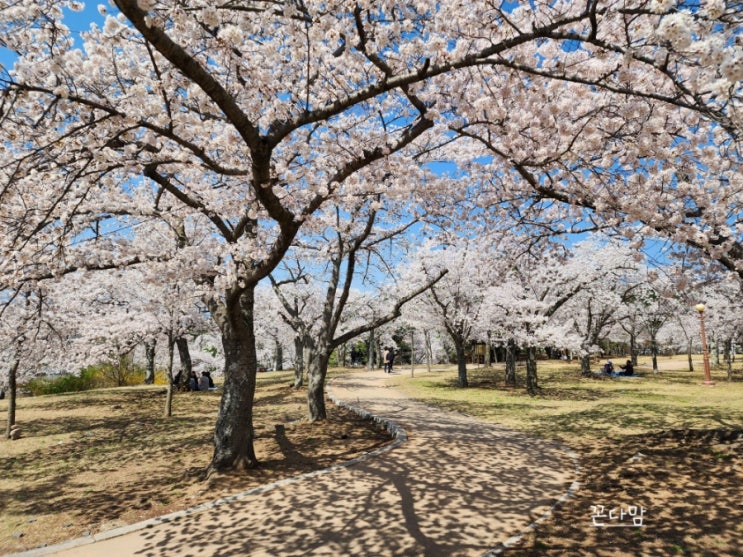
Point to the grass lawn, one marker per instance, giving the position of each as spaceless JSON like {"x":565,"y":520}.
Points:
{"x":661,"y":441}
{"x":571,"y":409}
{"x":92,"y":461}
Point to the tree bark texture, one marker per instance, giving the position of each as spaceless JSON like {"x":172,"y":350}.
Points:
{"x":233,"y":435}
{"x":633,"y":349}
{"x":298,"y":361}
{"x":308,"y":352}
{"x":510,"y":378}
{"x":149,"y":352}
{"x":169,"y":394}
{"x":278,"y":356}
{"x":429,"y":349}
{"x":688,"y":354}
{"x":371,"y":350}
{"x":462,"y":381}
{"x":316,"y":386}
{"x":412,"y":353}
{"x":531,"y":371}
{"x":184,"y":355}
{"x":585,"y":365}
{"x":12,"y":393}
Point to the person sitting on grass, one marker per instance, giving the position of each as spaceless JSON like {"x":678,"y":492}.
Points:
{"x":608,"y":367}
{"x":628,"y":368}
{"x":193,"y":381}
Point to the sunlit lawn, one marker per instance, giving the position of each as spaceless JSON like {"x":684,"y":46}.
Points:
{"x":570,"y":408}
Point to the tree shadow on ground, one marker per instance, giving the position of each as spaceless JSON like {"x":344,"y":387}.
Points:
{"x":92,"y":461}
{"x":687,"y":480}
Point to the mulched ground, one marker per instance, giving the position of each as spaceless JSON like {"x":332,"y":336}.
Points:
{"x":688,"y":482}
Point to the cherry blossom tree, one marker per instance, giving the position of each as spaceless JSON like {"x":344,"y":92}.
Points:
{"x":421,"y":317}
{"x":253,"y":116}
{"x":273,"y":334}
{"x":644,"y":128}
{"x":345,"y":248}
{"x":255,"y":135}
{"x":524,"y":306}
{"x":298,"y":302}
{"x":456,"y":301}
{"x":32,"y":333}
{"x":657,"y":297}
{"x":596,"y":309}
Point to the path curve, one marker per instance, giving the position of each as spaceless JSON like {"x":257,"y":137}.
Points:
{"x":450,"y":485}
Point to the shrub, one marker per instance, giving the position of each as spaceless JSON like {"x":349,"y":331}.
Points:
{"x":120,"y":373}
{"x":96,"y":376}
{"x":161,"y":377}
{"x":63,"y":384}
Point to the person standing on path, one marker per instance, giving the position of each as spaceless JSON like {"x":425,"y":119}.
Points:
{"x":389,"y":359}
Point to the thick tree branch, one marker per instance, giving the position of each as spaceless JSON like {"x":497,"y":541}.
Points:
{"x":394,"y":314}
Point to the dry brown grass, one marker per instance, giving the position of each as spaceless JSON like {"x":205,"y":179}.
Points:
{"x":89,"y":462}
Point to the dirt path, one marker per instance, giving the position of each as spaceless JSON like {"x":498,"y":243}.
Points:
{"x":455,"y":486}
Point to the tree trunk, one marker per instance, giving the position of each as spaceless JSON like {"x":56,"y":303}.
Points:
{"x":370,"y":351}
{"x":412,"y":353}
{"x":461,"y":364}
{"x":186,"y":365}
{"x":308,"y":351}
{"x":169,"y":394}
{"x":233,"y":435}
{"x":531,"y":371}
{"x":429,"y":349}
{"x":585,"y":365}
{"x":716,"y":351}
{"x":654,"y":354}
{"x":149,"y":352}
{"x":298,"y":361}
{"x":633,"y":349}
{"x":12,"y":393}
{"x":510,"y":378}
{"x":278,"y":356}
{"x":342,"y":353}
{"x":316,"y":373}
{"x":729,"y":358}
{"x":688,"y":354}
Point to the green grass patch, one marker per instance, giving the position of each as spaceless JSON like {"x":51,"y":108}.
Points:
{"x":570,"y":406}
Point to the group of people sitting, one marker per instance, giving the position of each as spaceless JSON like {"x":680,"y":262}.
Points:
{"x":627,"y":369}
{"x":203,"y":383}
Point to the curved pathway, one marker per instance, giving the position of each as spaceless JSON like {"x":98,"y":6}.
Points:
{"x":449,"y":486}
